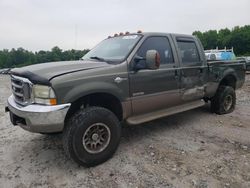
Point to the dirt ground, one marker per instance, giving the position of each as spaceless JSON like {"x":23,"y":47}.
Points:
{"x":190,"y":149}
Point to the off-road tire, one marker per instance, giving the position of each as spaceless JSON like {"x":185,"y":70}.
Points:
{"x":50,"y":134}
{"x":219,"y":100}
{"x":78,"y":125}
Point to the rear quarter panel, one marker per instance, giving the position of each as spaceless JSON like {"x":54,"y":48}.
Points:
{"x":220,"y":69}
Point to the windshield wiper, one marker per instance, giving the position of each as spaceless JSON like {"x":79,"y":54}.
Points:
{"x":102,"y":59}
{"x":98,"y":58}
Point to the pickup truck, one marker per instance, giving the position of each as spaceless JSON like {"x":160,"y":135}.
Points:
{"x":132,"y":78}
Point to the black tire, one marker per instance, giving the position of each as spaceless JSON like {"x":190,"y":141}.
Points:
{"x":87,"y":122}
{"x":224,"y":100}
{"x":50,"y":134}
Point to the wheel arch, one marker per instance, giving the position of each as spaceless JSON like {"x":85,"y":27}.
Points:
{"x":102,"y":99}
{"x":229,"y":80}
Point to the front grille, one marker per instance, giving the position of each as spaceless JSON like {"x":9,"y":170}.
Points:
{"x":21,"y":89}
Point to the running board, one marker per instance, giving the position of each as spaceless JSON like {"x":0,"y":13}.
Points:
{"x":134,"y":120}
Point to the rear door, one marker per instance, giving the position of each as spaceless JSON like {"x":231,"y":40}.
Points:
{"x":192,"y":69}
{"x":152,"y":90}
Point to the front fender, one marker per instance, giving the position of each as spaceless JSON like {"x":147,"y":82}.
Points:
{"x":94,"y":87}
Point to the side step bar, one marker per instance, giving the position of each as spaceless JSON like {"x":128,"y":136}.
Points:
{"x":134,"y":120}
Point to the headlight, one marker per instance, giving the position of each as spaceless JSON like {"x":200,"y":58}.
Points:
{"x":44,"y":95}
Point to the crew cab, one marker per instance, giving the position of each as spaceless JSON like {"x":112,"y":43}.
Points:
{"x":132,"y":78}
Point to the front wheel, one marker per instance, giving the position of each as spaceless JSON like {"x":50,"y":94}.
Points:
{"x":91,"y":136}
{"x":224,"y":100}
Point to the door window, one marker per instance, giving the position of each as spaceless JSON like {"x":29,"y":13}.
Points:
{"x":188,"y":52}
{"x":161,"y":45}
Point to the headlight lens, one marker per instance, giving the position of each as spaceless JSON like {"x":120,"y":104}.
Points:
{"x":44,"y":95}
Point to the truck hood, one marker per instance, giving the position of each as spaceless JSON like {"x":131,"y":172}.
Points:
{"x":44,"y":72}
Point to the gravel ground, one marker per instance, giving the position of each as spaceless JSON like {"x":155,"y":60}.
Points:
{"x":190,"y":149}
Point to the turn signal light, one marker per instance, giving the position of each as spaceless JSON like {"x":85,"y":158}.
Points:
{"x":53,"y":101}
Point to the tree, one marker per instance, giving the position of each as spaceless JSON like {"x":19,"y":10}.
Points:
{"x":21,"y":57}
{"x":211,"y":39}
{"x":238,"y":38}
{"x":224,"y":38}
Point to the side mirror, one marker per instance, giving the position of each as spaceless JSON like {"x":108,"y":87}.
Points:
{"x":153,"y":59}
{"x":138,"y":58}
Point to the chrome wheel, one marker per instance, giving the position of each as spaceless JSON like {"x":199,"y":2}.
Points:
{"x":228,"y":102}
{"x":96,"y":138}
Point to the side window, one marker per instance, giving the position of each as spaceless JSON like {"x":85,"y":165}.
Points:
{"x":161,"y":44}
{"x":188,"y":52}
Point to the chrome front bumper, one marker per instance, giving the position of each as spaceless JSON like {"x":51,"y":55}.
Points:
{"x":38,"y":118}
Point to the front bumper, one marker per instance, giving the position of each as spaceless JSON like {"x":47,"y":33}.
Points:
{"x":38,"y":118}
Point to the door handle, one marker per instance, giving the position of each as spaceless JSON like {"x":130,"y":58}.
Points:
{"x":175,"y":73}
{"x":200,"y":70}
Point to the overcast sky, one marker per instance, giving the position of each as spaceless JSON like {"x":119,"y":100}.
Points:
{"x":43,"y":24}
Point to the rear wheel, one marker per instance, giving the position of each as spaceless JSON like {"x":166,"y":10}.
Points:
{"x":224,"y":100}
{"x":91,"y":136}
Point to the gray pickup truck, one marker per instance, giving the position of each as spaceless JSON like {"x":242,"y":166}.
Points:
{"x":132,"y":78}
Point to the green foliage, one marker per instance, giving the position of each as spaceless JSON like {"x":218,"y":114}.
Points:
{"x":21,"y":57}
{"x":238,"y":38}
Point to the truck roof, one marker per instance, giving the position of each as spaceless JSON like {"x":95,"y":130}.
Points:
{"x":159,"y":34}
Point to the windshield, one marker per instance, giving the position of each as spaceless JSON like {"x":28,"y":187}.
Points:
{"x":114,"y":49}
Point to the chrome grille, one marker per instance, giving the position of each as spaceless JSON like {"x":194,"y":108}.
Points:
{"x":21,"y":89}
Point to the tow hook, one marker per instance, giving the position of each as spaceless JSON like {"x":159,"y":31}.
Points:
{"x":7,"y":109}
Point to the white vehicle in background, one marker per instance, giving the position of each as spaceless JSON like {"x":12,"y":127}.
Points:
{"x":223,"y":54}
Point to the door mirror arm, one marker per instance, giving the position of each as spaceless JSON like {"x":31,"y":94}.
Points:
{"x":138,"y":58}
{"x":137,"y":65}
{"x":152,"y":61}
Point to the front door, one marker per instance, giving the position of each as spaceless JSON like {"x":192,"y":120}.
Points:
{"x":152,"y":90}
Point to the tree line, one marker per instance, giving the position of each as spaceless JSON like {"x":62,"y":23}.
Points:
{"x":238,"y":38}
{"x":20,"y":57}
